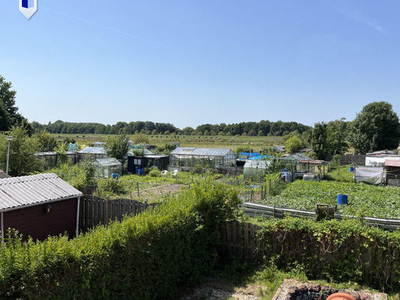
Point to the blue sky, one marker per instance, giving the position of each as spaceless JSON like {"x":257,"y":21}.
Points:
{"x":194,"y":62}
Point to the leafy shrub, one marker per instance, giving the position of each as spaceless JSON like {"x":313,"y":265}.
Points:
{"x":110,"y":186}
{"x":341,"y":251}
{"x":144,"y":257}
{"x":155,"y":172}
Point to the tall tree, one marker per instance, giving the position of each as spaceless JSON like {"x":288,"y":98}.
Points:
{"x":376,"y":127}
{"x":337,"y":137}
{"x":319,"y":141}
{"x":118,"y":146}
{"x":9,"y":115}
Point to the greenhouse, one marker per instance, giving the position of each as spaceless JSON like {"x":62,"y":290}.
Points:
{"x":106,"y":166}
{"x":255,"y":169}
{"x":202,"y":157}
{"x":94,"y":152}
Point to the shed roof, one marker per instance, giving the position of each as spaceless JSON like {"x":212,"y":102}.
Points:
{"x":19,"y":192}
{"x":110,"y":161}
{"x":392,"y":163}
{"x":299,"y":156}
{"x":93,"y":150}
{"x":202,"y":151}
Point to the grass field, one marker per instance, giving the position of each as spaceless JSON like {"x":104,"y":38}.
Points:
{"x":256,"y":143}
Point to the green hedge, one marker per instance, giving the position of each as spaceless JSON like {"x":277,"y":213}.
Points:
{"x":335,"y":250}
{"x":145,"y":257}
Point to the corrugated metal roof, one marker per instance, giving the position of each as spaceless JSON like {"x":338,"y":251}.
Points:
{"x":202,"y":151}
{"x":23,"y":191}
{"x":93,"y":150}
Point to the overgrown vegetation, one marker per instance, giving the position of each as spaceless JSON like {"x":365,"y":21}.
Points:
{"x":144,"y":257}
{"x":364,"y":200}
{"x":339,"y":251}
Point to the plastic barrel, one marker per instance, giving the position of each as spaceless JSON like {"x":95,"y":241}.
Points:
{"x":342,"y":199}
{"x":351,"y":169}
{"x":140,"y":171}
{"x":115,"y":176}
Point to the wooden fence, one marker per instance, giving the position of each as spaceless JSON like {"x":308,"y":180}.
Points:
{"x":350,"y":159}
{"x":239,"y":239}
{"x":261,"y":210}
{"x":94,"y":211}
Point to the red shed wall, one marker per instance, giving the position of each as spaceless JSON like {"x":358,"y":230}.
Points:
{"x":34,"y":222}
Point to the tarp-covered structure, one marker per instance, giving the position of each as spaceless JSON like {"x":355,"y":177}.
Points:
{"x":202,"y":157}
{"x":372,"y":175}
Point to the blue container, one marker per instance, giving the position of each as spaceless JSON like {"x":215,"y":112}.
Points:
{"x":342,"y":199}
{"x":351,"y":169}
{"x":115,"y":176}
{"x":140,"y":171}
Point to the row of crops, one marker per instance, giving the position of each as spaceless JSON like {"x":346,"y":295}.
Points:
{"x":364,"y":200}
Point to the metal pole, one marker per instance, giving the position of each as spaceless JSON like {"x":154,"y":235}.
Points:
{"x":2,"y":227}
{"x":8,"y":156}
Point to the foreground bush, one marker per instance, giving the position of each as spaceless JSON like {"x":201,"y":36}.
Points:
{"x":144,"y":257}
{"x":335,"y":250}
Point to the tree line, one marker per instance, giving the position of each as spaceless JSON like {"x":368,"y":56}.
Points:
{"x":262,"y":128}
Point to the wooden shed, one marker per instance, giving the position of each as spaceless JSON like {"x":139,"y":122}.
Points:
{"x":392,"y":172}
{"x":39,"y":206}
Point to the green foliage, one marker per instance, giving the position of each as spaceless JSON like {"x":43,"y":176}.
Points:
{"x":337,"y":133}
{"x":319,"y":141}
{"x":155,"y":172}
{"x":9,"y":115}
{"x":293,"y":144}
{"x":340,"y":174}
{"x":111,"y":187}
{"x":140,"y":139}
{"x":275,"y":184}
{"x":117,"y":147}
{"x":75,"y":175}
{"x":22,"y":153}
{"x":340,"y":251}
{"x":166,"y":149}
{"x":144,"y":257}
{"x":45,"y":141}
{"x":376,"y":127}
{"x":364,"y":200}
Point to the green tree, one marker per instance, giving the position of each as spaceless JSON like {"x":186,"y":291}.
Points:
{"x":22,"y":153}
{"x":319,"y":142}
{"x":337,"y":137}
{"x":117,"y":147}
{"x":140,"y":139}
{"x":9,"y":115}
{"x":293,"y":144}
{"x":45,"y":141}
{"x":376,"y":127}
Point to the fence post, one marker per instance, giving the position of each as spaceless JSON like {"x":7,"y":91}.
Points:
{"x":270,"y":187}
{"x":106,"y":216}
{"x":138,"y":189}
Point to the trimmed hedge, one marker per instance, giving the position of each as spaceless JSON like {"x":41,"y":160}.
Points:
{"x":144,"y":257}
{"x":335,"y":250}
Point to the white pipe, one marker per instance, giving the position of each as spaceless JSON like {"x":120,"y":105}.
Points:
{"x":2,"y":227}
{"x":77,"y":216}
